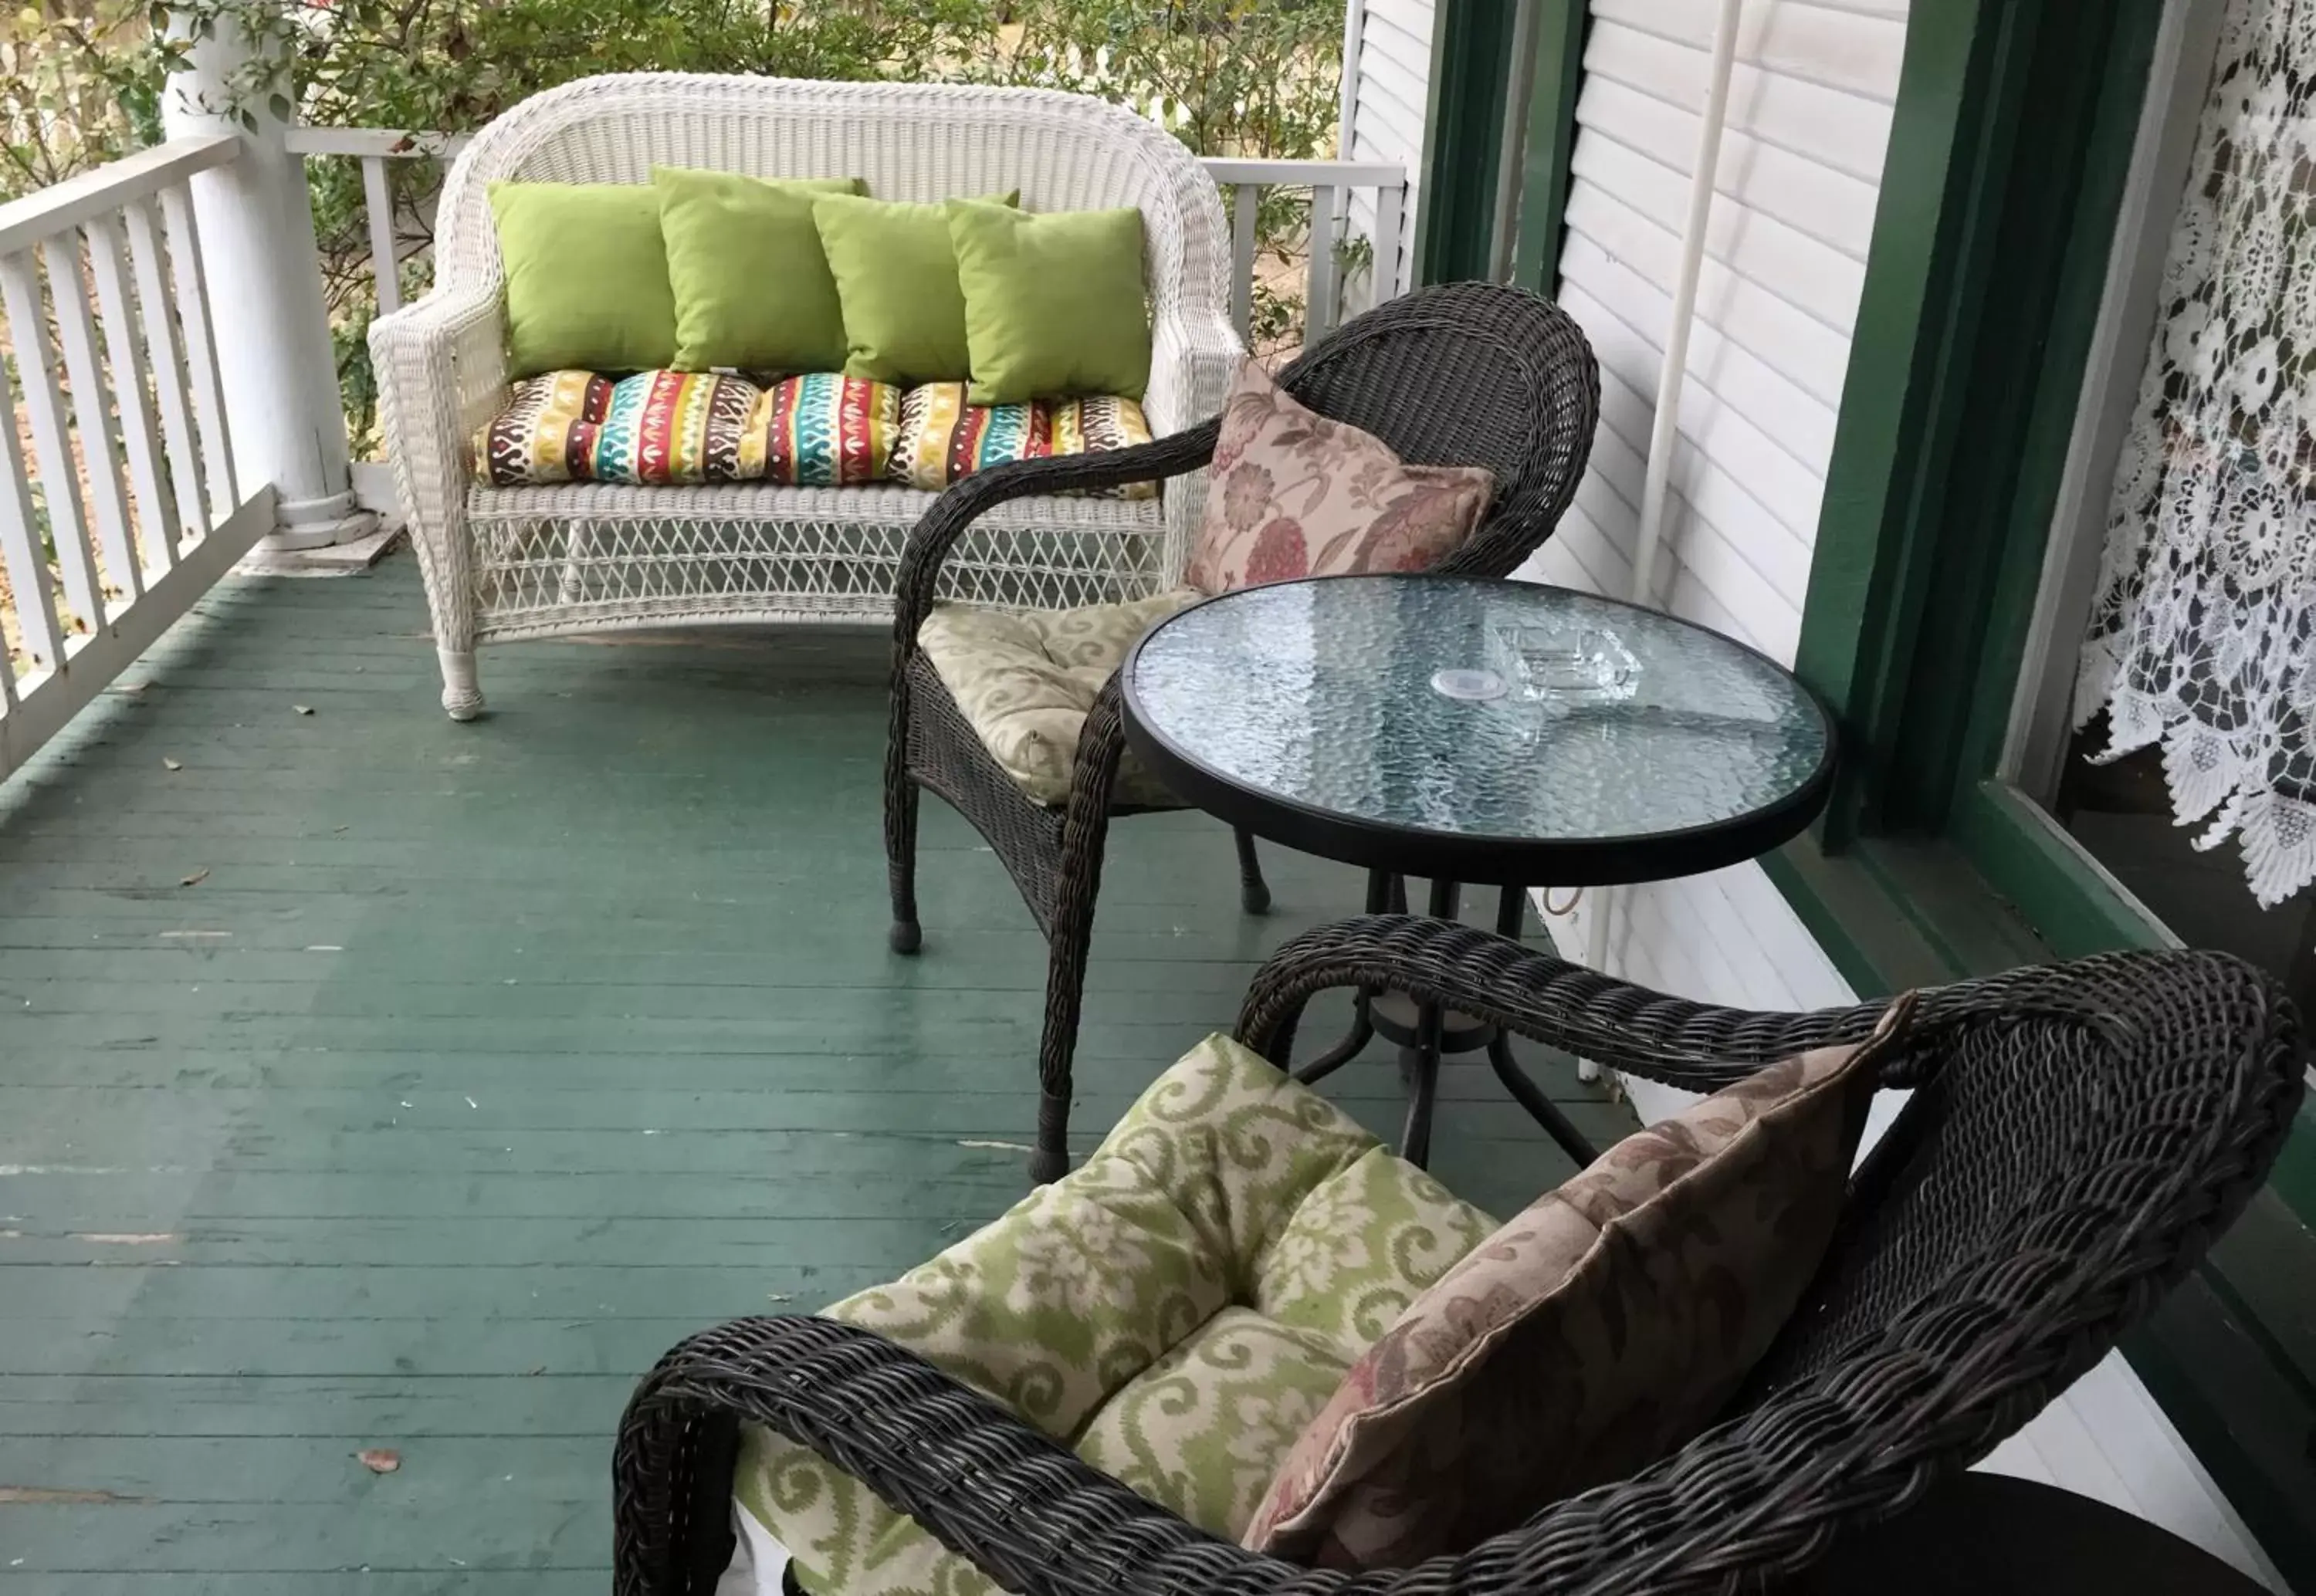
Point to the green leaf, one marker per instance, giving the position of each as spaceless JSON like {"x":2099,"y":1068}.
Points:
{"x":278,"y":104}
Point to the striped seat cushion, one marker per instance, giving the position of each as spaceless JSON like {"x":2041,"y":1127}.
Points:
{"x":661,"y":428}
{"x":943,"y":439}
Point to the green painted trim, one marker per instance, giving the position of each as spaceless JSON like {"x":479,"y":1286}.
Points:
{"x":2077,"y":94}
{"x":1462,"y":138}
{"x":1893,"y":914}
{"x":1562,"y":27}
{"x":2009,"y":153}
{"x":2051,"y":368}
{"x":1872,"y":941}
{"x":1893,"y":437}
{"x":2074,"y":905}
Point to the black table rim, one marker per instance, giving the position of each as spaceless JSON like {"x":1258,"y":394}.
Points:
{"x":1480,"y":860}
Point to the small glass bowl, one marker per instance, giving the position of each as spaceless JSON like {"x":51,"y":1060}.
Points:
{"x":1564,"y":663}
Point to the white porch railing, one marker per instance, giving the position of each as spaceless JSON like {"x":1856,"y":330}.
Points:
{"x":1331,"y":184}
{"x":119,"y":500}
{"x":127,"y":509}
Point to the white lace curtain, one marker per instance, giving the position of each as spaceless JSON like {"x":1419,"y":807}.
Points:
{"x":2203,"y":637}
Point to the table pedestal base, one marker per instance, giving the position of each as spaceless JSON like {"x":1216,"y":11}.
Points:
{"x":1425,"y":1034}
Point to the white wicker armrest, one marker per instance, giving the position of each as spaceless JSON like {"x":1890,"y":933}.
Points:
{"x":1193,"y":355}
{"x":440,"y":363}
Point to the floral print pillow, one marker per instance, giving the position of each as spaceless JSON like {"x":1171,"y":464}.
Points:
{"x":1296,"y":495}
{"x":1591,"y":1334}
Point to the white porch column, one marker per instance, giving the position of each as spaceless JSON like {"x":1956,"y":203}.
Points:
{"x":274,"y":357}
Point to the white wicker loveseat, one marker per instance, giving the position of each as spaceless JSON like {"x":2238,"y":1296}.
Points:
{"x":534,"y":562}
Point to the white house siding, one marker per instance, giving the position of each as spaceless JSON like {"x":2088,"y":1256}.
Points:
{"x":1386,"y":76}
{"x":1800,"y":163}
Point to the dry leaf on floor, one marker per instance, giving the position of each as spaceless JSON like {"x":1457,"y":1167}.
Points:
{"x":379,"y":1460}
{"x":197,"y":878}
{"x":303,"y":708}
{"x":169,"y":764}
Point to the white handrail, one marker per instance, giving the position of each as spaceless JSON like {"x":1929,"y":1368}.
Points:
{"x":1330,"y":183}
{"x":389,"y":142}
{"x":126,"y":511}
{"x":104,"y":190}
{"x":1334,"y":174}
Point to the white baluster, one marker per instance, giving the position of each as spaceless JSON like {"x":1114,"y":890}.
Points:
{"x":1319,"y":309}
{"x":20,"y":288}
{"x":1384,"y":280}
{"x":1244,"y":196}
{"x":378,"y":205}
{"x":20,"y":545}
{"x":201,"y":350}
{"x":171,"y":380}
{"x":92,"y":400}
{"x":133,"y":393}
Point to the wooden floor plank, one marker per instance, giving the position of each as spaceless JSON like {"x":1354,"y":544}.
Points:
{"x":477,"y":1064}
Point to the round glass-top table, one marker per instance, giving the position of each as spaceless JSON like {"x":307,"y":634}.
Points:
{"x":1472,"y":730}
{"x":1491,"y":731}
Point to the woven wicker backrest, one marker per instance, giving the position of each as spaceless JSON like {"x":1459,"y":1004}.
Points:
{"x":910,"y":141}
{"x":1469,"y":374}
{"x":2077,"y":1136}
{"x":2058,"y":1138}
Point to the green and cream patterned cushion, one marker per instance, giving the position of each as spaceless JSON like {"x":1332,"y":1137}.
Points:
{"x":1026,"y":680}
{"x":1177,"y":1310}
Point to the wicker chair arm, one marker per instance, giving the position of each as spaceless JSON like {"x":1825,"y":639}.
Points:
{"x":1021,"y":1506}
{"x":1040,"y":1520}
{"x":955,"y":512}
{"x":1694,"y":1046}
{"x":440,"y":363}
{"x":1194,"y":354}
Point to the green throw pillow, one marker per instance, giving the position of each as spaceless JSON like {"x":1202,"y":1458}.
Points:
{"x":1054,"y":305}
{"x":586,"y":277}
{"x":752,"y":290}
{"x":897,"y":275}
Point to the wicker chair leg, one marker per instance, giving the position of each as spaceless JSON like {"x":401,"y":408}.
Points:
{"x":901,"y":812}
{"x":460,"y":695}
{"x":901,"y":864}
{"x":1085,"y":830}
{"x":1057,"y":1043}
{"x":1253,"y":891}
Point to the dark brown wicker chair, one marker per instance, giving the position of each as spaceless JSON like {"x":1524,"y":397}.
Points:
{"x":1463,"y":373}
{"x":2077,"y":1137}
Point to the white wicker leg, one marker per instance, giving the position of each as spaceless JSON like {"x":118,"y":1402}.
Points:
{"x":460,"y":695}
{"x":578,"y":547}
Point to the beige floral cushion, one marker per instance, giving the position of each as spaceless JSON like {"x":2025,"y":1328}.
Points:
{"x":1588,"y":1337}
{"x":1026,"y":680}
{"x":1177,"y":1310}
{"x":1296,"y":495}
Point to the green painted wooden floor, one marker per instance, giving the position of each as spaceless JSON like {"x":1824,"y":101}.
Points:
{"x":367,"y":1080}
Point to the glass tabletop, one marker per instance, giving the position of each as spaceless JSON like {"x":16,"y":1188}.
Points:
{"x":1498,"y":711}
